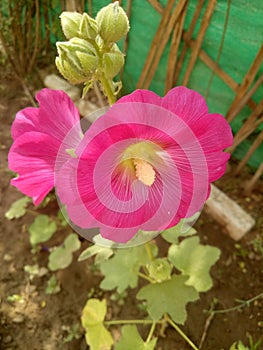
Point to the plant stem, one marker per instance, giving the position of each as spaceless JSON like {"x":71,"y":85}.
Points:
{"x":151,"y":332}
{"x":115,"y":322}
{"x":149,"y":250}
{"x":237,"y":307}
{"x":107,"y":90}
{"x":147,"y":278}
{"x":182,"y":334}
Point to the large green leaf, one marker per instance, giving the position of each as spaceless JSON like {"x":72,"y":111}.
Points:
{"x":194,"y":260}
{"x":131,"y":340}
{"x":61,"y":257}
{"x":97,"y":336}
{"x":121,"y":271}
{"x":42,"y":229}
{"x":183,"y":228}
{"x":168,"y":297}
{"x":18,"y":208}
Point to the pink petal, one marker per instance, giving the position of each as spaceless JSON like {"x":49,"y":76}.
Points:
{"x":145,"y":96}
{"x":39,"y":134}
{"x":34,"y":166}
{"x":187,"y":104}
{"x":26,"y":120}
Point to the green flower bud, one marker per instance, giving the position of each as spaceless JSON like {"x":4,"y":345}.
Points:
{"x":112,"y":22}
{"x":70,"y":22}
{"x":77,"y":60}
{"x":112,"y":62}
{"x":88,"y":27}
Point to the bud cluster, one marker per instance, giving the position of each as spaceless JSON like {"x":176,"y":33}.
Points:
{"x":91,"y":50}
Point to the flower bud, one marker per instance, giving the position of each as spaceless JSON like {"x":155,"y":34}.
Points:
{"x":112,"y":62}
{"x":112,"y":22}
{"x":77,"y":60}
{"x":70,"y":22}
{"x":88,"y":27}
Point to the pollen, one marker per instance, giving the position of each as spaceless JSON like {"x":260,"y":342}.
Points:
{"x":144,"y":172}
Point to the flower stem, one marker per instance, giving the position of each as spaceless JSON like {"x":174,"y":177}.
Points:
{"x":149,"y":250}
{"x":116,"y":322}
{"x":107,"y":90}
{"x":182,"y":334}
{"x":151,"y":332}
{"x":147,"y":278}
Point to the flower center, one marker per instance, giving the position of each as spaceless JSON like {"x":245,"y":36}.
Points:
{"x":144,"y":172}
{"x":139,"y":158}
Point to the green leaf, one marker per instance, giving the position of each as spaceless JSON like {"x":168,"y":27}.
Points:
{"x":18,"y":208}
{"x":239,"y":346}
{"x":53,"y":286}
{"x":72,"y":242}
{"x":59,"y":258}
{"x":194,"y":260}
{"x":42,"y":229}
{"x":97,"y":336}
{"x":131,"y":339}
{"x":168,"y":297}
{"x":183,"y":228}
{"x":121,"y":271}
{"x":159,"y":269}
{"x":101,"y":253}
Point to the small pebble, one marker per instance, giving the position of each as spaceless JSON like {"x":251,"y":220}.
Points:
{"x":8,"y":258}
{"x":18,"y":319}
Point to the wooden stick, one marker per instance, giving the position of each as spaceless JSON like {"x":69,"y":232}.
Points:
{"x":220,"y":48}
{"x":204,"y":25}
{"x":157,"y":38}
{"x":176,"y":39}
{"x":157,"y":6}
{"x":247,"y":80}
{"x":245,"y":99}
{"x":251,"y":150}
{"x":164,"y":39}
{"x":218,"y":70}
{"x":188,"y":36}
{"x":252,"y":182}
{"x":248,"y":127}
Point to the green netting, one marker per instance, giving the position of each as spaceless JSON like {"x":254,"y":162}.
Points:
{"x":242,"y":42}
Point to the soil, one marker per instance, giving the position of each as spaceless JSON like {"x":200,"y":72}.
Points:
{"x":40,"y":321}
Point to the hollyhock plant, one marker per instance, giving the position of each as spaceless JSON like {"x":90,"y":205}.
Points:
{"x":38,"y":134}
{"x":145,"y":164}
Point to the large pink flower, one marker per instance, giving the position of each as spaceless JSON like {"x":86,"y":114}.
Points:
{"x":38,"y":134}
{"x":145,"y":164}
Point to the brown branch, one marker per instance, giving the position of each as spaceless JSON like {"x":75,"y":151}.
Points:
{"x":249,"y":186}
{"x":188,"y":36}
{"x":218,"y":70}
{"x":250,"y":152}
{"x":248,"y":127}
{"x":164,"y":39}
{"x":172,"y":59}
{"x":157,"y":6}
{"x":37,"y":31}
{"x":156,"y":40}
{"x":195,"y":52}
{"x":245,"y":99}
{"x":247,"y":81}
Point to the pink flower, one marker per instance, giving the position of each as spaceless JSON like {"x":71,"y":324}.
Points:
{"x":38,"y":134}
{"x":145,"y":164}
